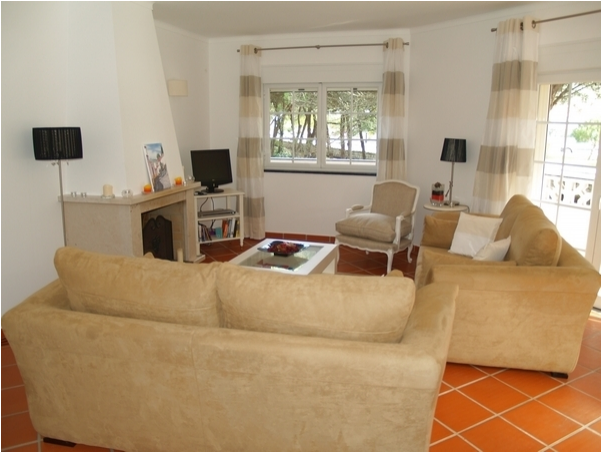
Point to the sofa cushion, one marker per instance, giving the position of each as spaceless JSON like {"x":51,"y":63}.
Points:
{"x":438,"y":232}
{"x":429,"y":257}
{"x":473,"y":233}
{"x":141,"y":288}
{"x":361,"y":308}
{"x":534,"y":239}
{"x":373,"y":226}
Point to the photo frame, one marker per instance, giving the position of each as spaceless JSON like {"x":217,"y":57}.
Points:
{"x":157,"y":168}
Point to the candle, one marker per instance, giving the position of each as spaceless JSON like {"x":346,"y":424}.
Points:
{"x":180,"y":255}
{"x":107,"y":190}
{"x":147,"y":188}
{"x":178,"y":180}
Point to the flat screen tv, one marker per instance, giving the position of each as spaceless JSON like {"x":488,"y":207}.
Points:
{"x":212,"y":168}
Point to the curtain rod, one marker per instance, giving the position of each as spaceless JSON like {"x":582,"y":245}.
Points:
{"x":385,"y":44}
{"x":534,"y":22}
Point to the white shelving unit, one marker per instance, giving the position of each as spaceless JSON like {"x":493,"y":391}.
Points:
{"x":214,"y":209}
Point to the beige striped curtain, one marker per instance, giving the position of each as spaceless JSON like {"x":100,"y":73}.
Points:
{"x":507,"y":150}
{"x":250,"y":131}
{"x":391,"y":143}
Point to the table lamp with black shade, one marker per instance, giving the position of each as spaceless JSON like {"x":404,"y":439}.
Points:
{"x":58,"y":143}
{"x":453,"y":150}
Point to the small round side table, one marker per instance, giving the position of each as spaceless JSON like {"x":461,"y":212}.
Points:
{"x":457,"y":208}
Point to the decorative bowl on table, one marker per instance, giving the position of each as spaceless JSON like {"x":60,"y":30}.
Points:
{"x":281,"y":248}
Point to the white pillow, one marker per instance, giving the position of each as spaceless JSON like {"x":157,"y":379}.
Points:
{"x":494,"y":251}
{"x":473,"y":233}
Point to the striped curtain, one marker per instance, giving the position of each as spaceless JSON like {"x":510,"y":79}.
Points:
{"x":391,"y":144}
{"x":507,"y":150}
{"x":249,"y":170}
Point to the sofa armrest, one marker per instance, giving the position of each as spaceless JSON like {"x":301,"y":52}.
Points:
{"x":431,"y":321}
{"x":519,"y":317}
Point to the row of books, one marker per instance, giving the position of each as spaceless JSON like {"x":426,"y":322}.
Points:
{"x":229,"y":229}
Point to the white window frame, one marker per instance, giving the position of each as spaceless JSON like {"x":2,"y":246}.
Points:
{"x":321,"y":165}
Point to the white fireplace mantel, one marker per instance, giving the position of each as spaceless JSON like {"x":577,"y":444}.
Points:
{"x":114,"y":226}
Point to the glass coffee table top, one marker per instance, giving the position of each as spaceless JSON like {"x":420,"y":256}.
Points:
{"x":311,"y":257}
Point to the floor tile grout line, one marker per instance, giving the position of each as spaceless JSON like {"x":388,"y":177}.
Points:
{"x":14,"y":414}
{"x":499,"y":415}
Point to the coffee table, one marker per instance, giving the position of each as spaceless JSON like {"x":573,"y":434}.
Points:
{"x":313,"y":258}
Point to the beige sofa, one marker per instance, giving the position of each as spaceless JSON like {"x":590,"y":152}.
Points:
{"x":527,"y":311}
{"x":139,"y":354}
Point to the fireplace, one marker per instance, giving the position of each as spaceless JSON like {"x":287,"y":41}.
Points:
{"x":114,"y":226}
{"x":157,"y":238}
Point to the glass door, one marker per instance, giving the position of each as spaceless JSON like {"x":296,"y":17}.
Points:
{"x":566,"y":177}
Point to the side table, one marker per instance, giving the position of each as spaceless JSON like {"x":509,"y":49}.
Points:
{"x":458,"y":208}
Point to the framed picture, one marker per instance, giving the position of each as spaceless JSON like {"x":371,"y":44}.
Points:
{"x":157,"y":169}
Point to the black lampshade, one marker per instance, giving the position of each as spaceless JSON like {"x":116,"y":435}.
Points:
{"x":57,"y":143}
{"x":453,"y":150}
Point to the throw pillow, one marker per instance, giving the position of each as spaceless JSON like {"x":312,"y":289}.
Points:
{"x":473,"y":233}
{"x":139,"y":287}
{"x":494,"y":251}
{"x":360,"y":308}
{"x":438,"y":232}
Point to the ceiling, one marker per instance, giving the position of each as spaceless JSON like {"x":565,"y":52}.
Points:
{"x":222,"y":19}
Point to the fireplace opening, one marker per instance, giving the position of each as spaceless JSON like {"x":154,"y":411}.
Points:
{"x":157,"y":238}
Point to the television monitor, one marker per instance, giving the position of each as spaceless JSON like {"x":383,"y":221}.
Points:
{"x":212,"y":168}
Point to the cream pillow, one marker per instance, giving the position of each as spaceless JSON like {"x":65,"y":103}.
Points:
{"x":473,"y":233}
{"x":494,"y":251}
{"x":360,"y":308}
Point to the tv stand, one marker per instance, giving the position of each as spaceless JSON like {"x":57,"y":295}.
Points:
{"x":220,"y":212}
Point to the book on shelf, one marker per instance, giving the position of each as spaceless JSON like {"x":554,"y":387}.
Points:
{"x":204,"y":233}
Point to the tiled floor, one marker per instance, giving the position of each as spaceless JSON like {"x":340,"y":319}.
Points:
{"x":479,"y":408}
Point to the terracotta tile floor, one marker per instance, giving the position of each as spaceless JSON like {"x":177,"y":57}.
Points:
{"x":479,"y":408}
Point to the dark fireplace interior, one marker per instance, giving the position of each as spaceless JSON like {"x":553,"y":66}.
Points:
{"x":157,"y":238}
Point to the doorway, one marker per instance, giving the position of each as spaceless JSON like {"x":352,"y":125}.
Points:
{"x":566,"y":172}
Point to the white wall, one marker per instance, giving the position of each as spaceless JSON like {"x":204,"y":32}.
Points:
{"x":95,"y":65}
{"x":186,"y":57}
{"x":298,"y":203}
{"x":448,"y":72}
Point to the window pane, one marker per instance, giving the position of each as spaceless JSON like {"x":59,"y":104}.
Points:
{"x":352,"y":123}
{"x":558,"y":102}
{"x":293,"y":125}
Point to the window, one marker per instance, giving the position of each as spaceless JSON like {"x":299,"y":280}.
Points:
{"x":322,"y":128}
{"x":566,"y":154}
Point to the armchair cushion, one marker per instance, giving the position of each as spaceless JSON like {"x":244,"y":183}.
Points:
{"x":373,"y":226}
{"x":360,"y":308}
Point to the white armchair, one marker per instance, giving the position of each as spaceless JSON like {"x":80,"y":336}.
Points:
{"x":384,"y":226}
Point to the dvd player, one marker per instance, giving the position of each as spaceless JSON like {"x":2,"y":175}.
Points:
{"x":216,"y":212}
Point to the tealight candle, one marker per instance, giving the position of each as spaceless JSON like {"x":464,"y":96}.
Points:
{"x":178,"y":180}
{"x":147,"y":188}
{"x":107,"y":191}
